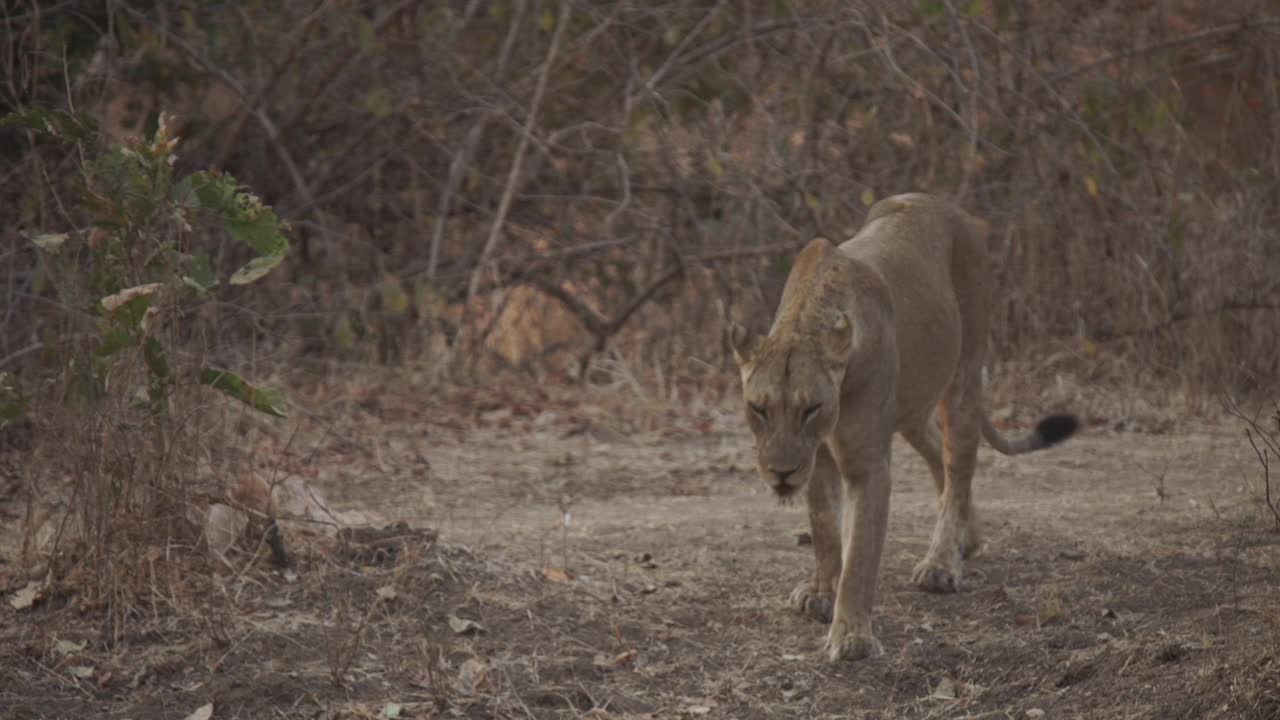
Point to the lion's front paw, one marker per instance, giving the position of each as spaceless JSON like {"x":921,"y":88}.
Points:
{"x":851,"y":647}
{"x":806,"y":600}
{"x":932,"y":576}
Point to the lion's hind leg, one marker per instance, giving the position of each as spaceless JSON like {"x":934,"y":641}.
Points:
{"x":955,"y":536}
{"x":924,"y":435}
{"x":815,"y":596}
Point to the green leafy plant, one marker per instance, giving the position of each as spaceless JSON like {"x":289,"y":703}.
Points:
{"x":141,"y":295}
{"x":142,"y":272}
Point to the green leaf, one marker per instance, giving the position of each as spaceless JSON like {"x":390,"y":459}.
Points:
{"x":344,"y":334}
{"x":255,"y":269}
{"x":366,"y":36}
{"x":124,"y":322}
{"x":261,"y":233}
{"x":11,"y":410}
{"x":160,"y":381}
{"x":242,"y":214}
{"x":157,"y":359}
{"x":263,"y":400}
{"x":55,"y":123}
{"x":929,"y":9}
{"x":377,"y":103}
{"x":200,"y":274}
{"x":245,"y":219}
{"x":12,"y":404}
{"x":114,"y":340}
{"x":547,"y":20}
{"x":394,"y":298}
{"x":182,"y":190}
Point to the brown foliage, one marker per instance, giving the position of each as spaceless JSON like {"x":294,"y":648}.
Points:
{"x":562,"y":177}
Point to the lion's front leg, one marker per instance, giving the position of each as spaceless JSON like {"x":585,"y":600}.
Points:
{"x":815,"y":596}
{"x":867,"y":515}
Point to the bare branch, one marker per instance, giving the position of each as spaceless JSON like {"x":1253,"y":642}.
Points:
{"x":1189,"y":39}
{"x":259,"y":113}
{"x":504,"y":204}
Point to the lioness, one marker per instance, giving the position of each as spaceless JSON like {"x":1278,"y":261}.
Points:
{"x":885,"y":333}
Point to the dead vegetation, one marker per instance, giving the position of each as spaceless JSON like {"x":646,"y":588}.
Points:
{"x":1262,"y":430}
{"x":545,"y":184}
{"x":487,"y":194}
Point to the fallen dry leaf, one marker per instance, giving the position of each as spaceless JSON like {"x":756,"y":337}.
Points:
{"x":946,"y":690}
{"x":472,"y":675}
{"x":66,"y":647}
{"x":463,"y":626}
{"x":620,"y":660}
{"x":204,"y":712}
{"x":26,"y":596}
{"x":558,"y":575}
{"x":111,"y":302}
{"x":252,"y":492}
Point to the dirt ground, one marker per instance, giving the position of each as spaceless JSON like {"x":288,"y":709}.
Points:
{"x":602,"y":557}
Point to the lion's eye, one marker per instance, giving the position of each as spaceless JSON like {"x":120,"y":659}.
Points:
{"x":758,"y":411}
{"x":811,"y":412}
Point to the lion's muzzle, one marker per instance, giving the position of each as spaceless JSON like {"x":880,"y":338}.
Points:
{"x":786,"y":482}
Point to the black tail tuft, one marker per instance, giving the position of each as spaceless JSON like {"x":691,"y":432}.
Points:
{"x":1056,"y":428}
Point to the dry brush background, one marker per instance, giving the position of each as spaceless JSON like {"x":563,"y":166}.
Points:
{"x":518,"y":229}
{"x":551,"y":179}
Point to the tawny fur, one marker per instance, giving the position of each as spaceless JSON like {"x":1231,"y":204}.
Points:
{"x":886,"y":333}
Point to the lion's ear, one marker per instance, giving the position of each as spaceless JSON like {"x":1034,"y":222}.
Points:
{"x":838,"y":342}
{"x":744,"y":343}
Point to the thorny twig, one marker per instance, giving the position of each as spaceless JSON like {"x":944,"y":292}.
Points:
{"x":1265,"y":444}
{"x":1264,"y":458}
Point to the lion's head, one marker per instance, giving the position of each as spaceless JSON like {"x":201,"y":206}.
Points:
{"x":791,"y":391}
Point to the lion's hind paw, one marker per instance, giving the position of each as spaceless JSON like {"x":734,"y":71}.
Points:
{"x":931,"y":576}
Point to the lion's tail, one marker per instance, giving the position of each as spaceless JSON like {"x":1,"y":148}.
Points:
{"x":1049,"y":431}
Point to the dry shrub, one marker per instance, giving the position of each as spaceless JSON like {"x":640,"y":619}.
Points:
{"x":650,"y":168}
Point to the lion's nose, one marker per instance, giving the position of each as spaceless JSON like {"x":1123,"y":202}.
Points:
{"x":782,"y":475}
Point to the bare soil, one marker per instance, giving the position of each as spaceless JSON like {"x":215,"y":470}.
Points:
{"x":598,"y":556}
